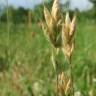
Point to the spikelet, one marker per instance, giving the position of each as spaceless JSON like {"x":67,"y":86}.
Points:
{"x":67,"y":19}
{"x":53,"y":22}
{"x":56,"y":10}
{"x":68,"y":30}
{"x":48,"y":16}
{"x":64,"y":84}
{"x":73,"y":26}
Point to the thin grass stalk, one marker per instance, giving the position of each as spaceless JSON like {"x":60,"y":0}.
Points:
{"x":71,"y":75}
{"x":57,"y":78}
{"x":8,"y":32}
{"x":29,"y":14}
{"x":55,"y":65}
{"x":7,"y":22}
{"x":29,"y":19}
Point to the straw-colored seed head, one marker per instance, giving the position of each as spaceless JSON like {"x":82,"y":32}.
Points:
{"x":73,"y":25}
{"x":67,"y":19}
{"x":48,"y":16}
{"x":53,"y":22}
{"x":68,"y":30}
{"x":56,"y":10}
{"x":54,"y":28}
{"x":64,"y":84}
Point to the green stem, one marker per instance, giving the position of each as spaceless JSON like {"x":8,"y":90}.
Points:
{"x":57,"y":79}
{"x":71,"y":75}
{"x":56,"y":67}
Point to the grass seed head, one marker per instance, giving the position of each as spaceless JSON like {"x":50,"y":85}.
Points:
{"x":48,"y":16}
{"x":68,"y":29}
{"x":64,"y":84}
{"x":53,"y":22}
{"x":67,"y":19}
{"x":56,"y":10}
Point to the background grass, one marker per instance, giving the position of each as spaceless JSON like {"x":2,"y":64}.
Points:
{"x":25,"y":65}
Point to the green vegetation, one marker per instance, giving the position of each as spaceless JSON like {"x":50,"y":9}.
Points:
{"x":30,"y":71}
{"x":25,"y":65}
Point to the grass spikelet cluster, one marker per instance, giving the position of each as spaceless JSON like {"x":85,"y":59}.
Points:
{"x":68,"y":30}
{"x":60,"y":33}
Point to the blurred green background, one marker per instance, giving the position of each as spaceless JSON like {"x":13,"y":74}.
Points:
{"x":25,"y":65}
